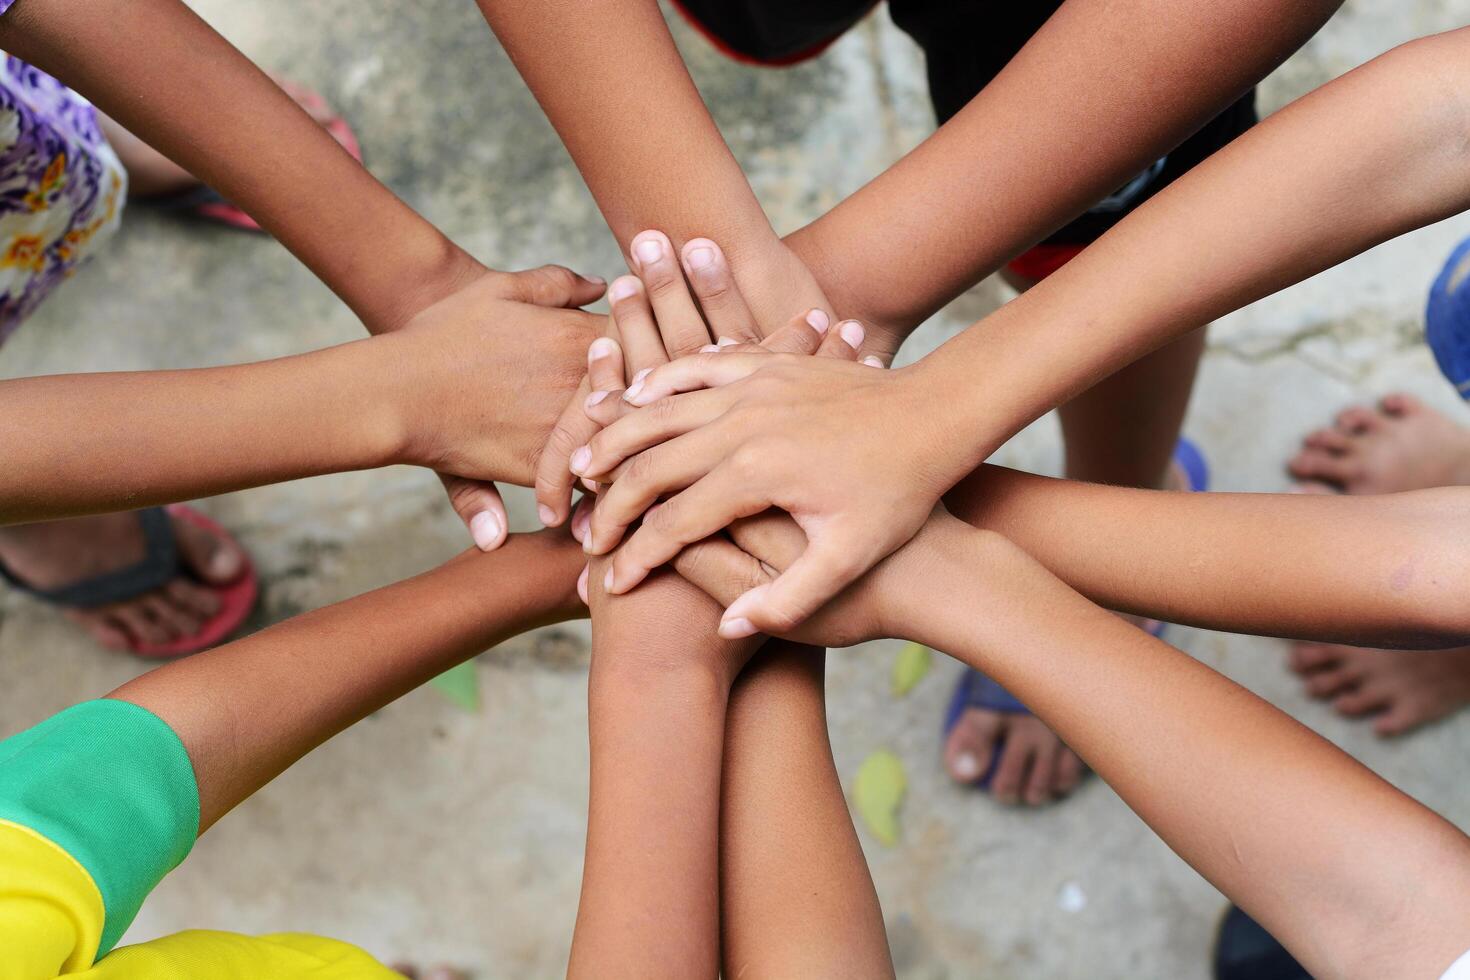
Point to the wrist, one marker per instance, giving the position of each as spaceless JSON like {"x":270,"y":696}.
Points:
{"x":850,"y":301}
{"x":367,"y":414}
{"x":939,"y":594}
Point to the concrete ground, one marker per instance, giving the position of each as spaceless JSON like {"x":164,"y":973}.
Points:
{"x":438,"y":834}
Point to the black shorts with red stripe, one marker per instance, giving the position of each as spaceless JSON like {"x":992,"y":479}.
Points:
{"x":965,"y":44}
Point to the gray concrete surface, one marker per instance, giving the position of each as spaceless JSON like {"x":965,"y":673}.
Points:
{"x":441,"y":835}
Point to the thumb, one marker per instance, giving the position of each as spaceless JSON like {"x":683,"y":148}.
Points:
{"x":480,"y":507}
{"x":555,"y":286}
{"x":720,"y":569}
{"x":824,"y":569}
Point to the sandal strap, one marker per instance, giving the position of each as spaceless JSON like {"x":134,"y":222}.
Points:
{"x":159,"y":565}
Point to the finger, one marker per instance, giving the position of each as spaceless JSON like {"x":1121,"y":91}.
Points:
{"x":695,"y":371}
{"x":604,"y":367}
{"x":720,"y":569}
{"x":643,"y":348}
{"x":679,"y":321}
{"x":803,"y":335}
{"x":873,"y":361}
{"x":478,"y":504}
{"x":664,"y":469}
{"x":772,"y":537}
{"x":644,"y":428}
{"x":844,"y":342}
{"x":829,"y":564}
{"x":607,"y":407}
{"x":714,"y":286}
{"x":706,"y":507}
{"x":554,"y":479}
{"x":582,"y":584}
{"x":581,"y":518}
{"x":554,"y":285}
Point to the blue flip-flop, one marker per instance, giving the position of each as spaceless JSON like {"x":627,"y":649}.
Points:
{"x":1447,"y":319}
{"x":975,"y":690}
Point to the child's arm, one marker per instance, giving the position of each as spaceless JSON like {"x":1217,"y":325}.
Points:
{"x":1387,"y":570}
{"x":161,"y":71}
{"x":101,"y":801}
{"x":1355,"y":878}
{"x":448,"y":391}
{"x":860,"y":458}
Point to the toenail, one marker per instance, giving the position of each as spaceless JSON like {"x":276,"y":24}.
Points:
{"x":966,"y":766}
{"x":224,"y":563}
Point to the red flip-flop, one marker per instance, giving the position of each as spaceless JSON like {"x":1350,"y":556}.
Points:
{"x":158,"y":566}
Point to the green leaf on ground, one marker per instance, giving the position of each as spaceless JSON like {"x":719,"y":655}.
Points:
{"x":461,"y":685}
{"x":877,"y":792}
{"x":909,"y":667}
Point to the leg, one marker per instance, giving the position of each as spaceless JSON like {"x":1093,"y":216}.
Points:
{"x":1121,"y":432}
{"x":796,"y":896}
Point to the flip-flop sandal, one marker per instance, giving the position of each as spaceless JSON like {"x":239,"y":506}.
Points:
{"x":1447,"y":319}
{"x":158,"y":566}
{"x":975,"y":690}
{"x":207,"y":203}
{"x":1245,"y":951}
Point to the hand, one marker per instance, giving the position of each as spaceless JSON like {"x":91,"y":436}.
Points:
{"x":755,"y":301}
{"x":483,"y":373}
{"x":888,"y":601}
{"x":855,"y":455}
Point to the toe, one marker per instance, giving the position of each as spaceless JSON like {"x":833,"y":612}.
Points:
{"x":1039,"y":781}
{"x":1068,"y":772}
{"x":178,"y":621}
{"x":1323,"y":467}
{"x":1399,"y":404}
{"x":135,"y":619}
{"x":1357,"y":420}
{"x":209,"y":556}
{"x":102,"y":628}
{"x":1014,"y":767}
{"x":201,"y":601}
{"x":1361,"y":701}
{"x":445,"y":973}
{"x":1306,"y":658}
{"x":970,"y":746}
{"x":1332,"y":681}
{"x":1328,"y":440}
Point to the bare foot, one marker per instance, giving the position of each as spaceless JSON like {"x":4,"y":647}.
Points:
{"x":1035,"y":767}
{"x":57,"y":553}
{"x":1401,"y":689}
{"x":1401,"y":444}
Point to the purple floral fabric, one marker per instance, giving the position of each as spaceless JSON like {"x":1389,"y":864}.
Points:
{"x":61,"y":187}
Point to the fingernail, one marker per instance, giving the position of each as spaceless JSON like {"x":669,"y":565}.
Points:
{"x":224,"y":563}
{"x":607,"y":580}
{"x":700,"y":258}
{"x":727,"y":342}
{"x":622,"y":288}
{"x":590,"y":484}
{"x":967,"y":767}
{"x":634,"y":390}
{"x":852,"y":332}
{"x":872,"y":361}
{"x":710,"y":349}
{"x":818,"y":321}
{"x":601,"y":347}
{"x":596,"y":398}
{"x":580,"y":459}
{"x":582,"y":584}
{"x":649,"y":250}
{"x":737,"y":628}
{"x":580,"y":520}
{"x":547,"y":515}
{"x":596,"y":280}
{"x":485,"y":529}
{"x":642,"y":374}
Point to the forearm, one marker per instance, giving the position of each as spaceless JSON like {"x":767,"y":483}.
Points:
{"x":1139,"y":78}
{"x":248,"y":710}
{"x":168,"y":77}
{"x":1353,"y":876}
{"x":1267,"y":564}
{"x":656,"y":701}
{"x":88,"y":443}
{"x":1283,"y":202}
{"x":795,"y":893}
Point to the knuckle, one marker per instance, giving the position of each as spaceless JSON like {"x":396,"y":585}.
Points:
{"x":639,"y":469}
{"x":662,"y":410}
